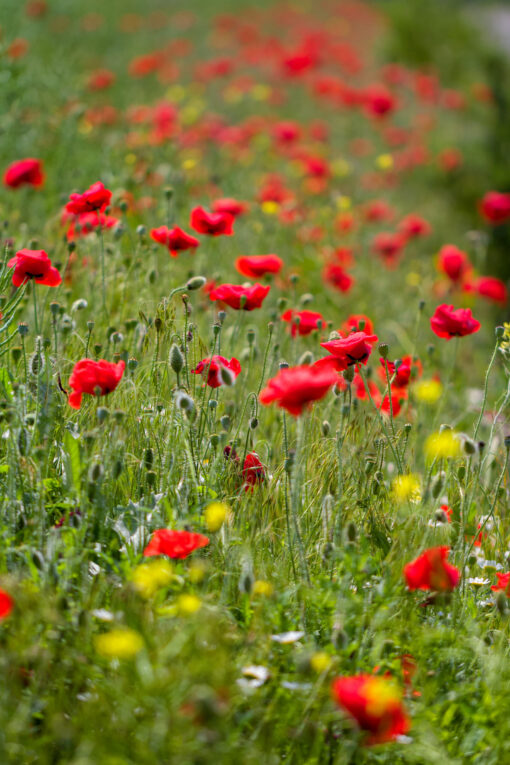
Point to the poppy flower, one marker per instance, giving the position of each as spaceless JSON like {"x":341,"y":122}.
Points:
{"x":353,"y":349}
{"x":392,"y":402}
{"x":354,"y":321}
{"x":36,"y":265}
{"x":379,"y":101}
{"x":239,"y":297}
{"x":375,"y":703}
{"x":402,"y":372}
{"x":95,"y":378}
{"x":453,"y":262}
{"x":295,"y":388}
{"x":254,"y":471}
{"x":307,"y":322}
{"x":495,"y":207}
{"x":286,"y":132}
{"x":100,"y":79}
{"x":230,"y":206}
{"x":389,"y":246}
{"x":96,"y":197}
{"x":413,"y":226}
{"x":447,"y":322}
{"x":213,"y":224}
{"x":431,"y":571}
{"x":175,"y":239}
{"x":84,"y":223}
{"x":255,"y":266}
{"x":503,"y":583}
{"x":378,"y":210}
{"x":213,"y":366}
{"x":24,"y":172}
{"x":335,"y":275}
{"x":174,"y":543}
{"x":490,"y":288}
{"x":6,"y":604}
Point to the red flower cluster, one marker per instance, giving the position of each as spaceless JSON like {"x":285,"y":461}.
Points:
{"x":95,"y":378}
{"x":212,"y":224}
{"x":431,"y":571}
{"x":174,"y":543}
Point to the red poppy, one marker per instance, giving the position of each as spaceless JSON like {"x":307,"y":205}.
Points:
{"x":495,"y":207}
{"x":36,"y":265}
{"x":230,"y":206}
{"x":353,"y":349}
{"x":286,"y":132}
{"x":239,"y":297}
{"x":431,"y":571}
{"x":174,"y":543}
{"x":392,"y":402}
{"x":295,"y":388}
{"x":503,"y":583}
{"x":490,"y":288}
{"x":254,"y":471}
{"x":389,"y":246}
{"x":213,"y":224}
{"x":6,"y":604}
{"x":85,"y":223}
{"x":414,"y":226}
{"x":175,"y":239}
{"x":302,"y":322}
{"x":402,"y":373}
{"x":375,"y":703}
{"x":447,"y":322}
{"x":379,"y":101}
{"x":95,"y":378}
{"x":213,"y":366}
{"x":377,"y":211}
{"x":24,"y":172}
{"x":453,"y":262}
{"x":96,"y":197}
{"x":255,"y":266}
{"x":101,"y":79}
{"x":337,"y":277}
{"x":354,"y":321}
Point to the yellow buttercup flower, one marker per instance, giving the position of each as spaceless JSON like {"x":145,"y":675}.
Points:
{"x":343,"y":203}
{"x":119,"y":644}
{"x":442,"y":445}
{"x":384,"y":161}
{"x":428,"y":391}
{"x":263,"y":588}
{"x":406,"y":488}
{"x":270,"y":208}
{"x":320,"y":662}
{"x":188,"y":604}
{"x":148,"y":578}
{"x":215,"y":515}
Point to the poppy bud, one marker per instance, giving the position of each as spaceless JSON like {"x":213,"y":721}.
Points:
{"x":222,"y":315}
{"x":306,"y":299}
{"x":97,"y":348}
{"x":348,"y":374}
{"x":158,"y":323}
{"x":148,"y":459}
{"x":254,"y":423}
{"x":36,"y":364}
{"x":469,"y":446}
{"x":407,"y":427}
{"x":461,"y":472}
{"x":71,"y":246}
{"x":16,"y":353}
{"x":250,"y":336}
{"x":151,"y":478}
{"x":54,"y":308}
{"x":214,"y":440}
{"x":246,"y":579}
{"x":500,"y":331}
{"x":118,"y":415}
{"x":441,"y":516}
{"x":132,"y":364}
{"x":169,"y":192}
{"x":282,"y":303}
{"x":507,"y":442}
{"x":96,"y":472}
{"x":195,"y":283}
{"x":186,"y":403}
{"x":326,"y":427}
{"x":152,"y":276}
{"x":306,"y":359}
{"x":383,"y":350}
{"x":225,"y":422}
{"x":294,"y":278}
{"x":141,"y":231}
{"x":102,"y":414}
{"x":23,"y":329}
{"x":227,"y":376}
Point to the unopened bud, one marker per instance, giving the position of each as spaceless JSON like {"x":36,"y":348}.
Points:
{"x":383,"y":350}
{"x":195,"y":283}
{"x":176,"y":359}
{"x":306,"y":359}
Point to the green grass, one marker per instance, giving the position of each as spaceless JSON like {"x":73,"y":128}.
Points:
{"x":324,"y":529}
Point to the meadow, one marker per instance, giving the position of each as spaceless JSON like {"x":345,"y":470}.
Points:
{"x":254,"y":384}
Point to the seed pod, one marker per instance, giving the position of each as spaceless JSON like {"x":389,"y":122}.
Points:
{"x":102,"y":414}
{"x":384,"y":350}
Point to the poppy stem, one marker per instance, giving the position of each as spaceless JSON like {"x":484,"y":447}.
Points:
{"x":103,"y":277}
{"x":34,"y":294}
{"x":381,"y":421}
{"x":286,"y":496}
{"x":295,"y":489}
{"x":485,"y":388}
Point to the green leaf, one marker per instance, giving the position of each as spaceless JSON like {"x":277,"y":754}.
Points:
{"x":5,"y":384}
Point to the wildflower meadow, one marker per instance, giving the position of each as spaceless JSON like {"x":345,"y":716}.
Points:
{"x":254,"y":383}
